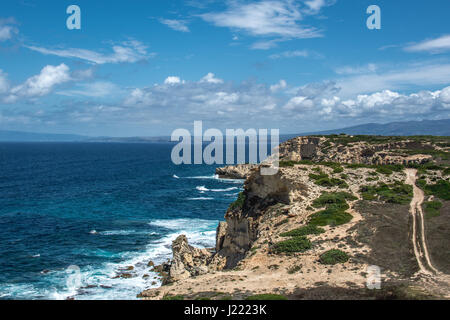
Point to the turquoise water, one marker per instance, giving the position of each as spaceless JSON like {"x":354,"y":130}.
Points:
{"x":102,"y":208}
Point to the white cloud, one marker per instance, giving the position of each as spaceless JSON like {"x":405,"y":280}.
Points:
{"x":282,"y":84}
{"x":401,"y":78}
{"x":7,"y":29}
{"x":127,"y":52}
{"x":290,"y":54}
{"x":7,"y":32}
{"x":4,"y":83}
{"x":177,"y":25}
{"x":41,"y":84}
{"x":95,"y":89}
{"x":210,"y":78}
{"x":369,"y":68}
{"x":437,"y":45}
{"x":278,"y":18}
{"x":173,"y":80}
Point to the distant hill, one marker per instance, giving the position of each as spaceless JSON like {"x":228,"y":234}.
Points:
{"x":19,"y":136}
{"x":407,"y":128}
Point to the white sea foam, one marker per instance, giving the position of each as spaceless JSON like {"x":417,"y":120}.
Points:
{"x":175,"y":176}
{"x":200,"y":198}
{"x":201,"y":188}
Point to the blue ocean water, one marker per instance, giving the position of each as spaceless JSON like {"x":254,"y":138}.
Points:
{"x":102,"y":208}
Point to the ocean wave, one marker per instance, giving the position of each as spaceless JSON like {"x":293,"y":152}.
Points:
{"x":175,"y":176}
{"x":199,"y":198}
{"x":204,"y":189}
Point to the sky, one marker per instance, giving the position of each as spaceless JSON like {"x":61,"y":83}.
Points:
{"x":146,"y":68}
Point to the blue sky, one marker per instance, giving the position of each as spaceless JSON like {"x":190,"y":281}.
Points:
{"x":148,"y":67}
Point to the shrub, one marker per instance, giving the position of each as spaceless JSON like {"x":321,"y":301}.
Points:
{"x":330,"y":216}
{"x":440,"y":189}
{"x":333,"y":256}
{"x":384,"y":170}
{"x":446,"y":172}
{"x":239,"y":203}
{"x":432,"y":209}
{"x":177,"y":297}
{"x":266,"y":296}
{"x":296,"y":244}
{"x":397,"y":192}
{"x":335,"y":199}
{"x":303,"y":231}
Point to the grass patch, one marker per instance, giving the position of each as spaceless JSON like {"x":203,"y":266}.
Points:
{"x":331,"y":216}
{"x":397,"y":192}
{"x":296,"y":244}
{"x":239,"y":203}
{"x":303,"y":231}
{"x":432,"y":209}
{"x":294,"y":269}
{"x":266,"y":296}
{"x":177,"y":297}
{"x":333,"y":256}
{"x":334,"y":200}
{"x":440,"y":189}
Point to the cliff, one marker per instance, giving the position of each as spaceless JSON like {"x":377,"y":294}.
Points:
{"x":314,"y":229}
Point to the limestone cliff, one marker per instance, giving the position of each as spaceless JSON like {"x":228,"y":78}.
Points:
{"x":372,"y":226}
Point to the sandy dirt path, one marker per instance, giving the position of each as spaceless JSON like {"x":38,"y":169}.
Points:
{"x":418,"y":232}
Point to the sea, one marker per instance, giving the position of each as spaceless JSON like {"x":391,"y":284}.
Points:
{"x":74,"y":217}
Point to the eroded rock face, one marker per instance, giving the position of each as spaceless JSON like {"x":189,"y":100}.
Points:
{"x":187,"y":260}
{"x":322,"y":149}
{"x":240,"y":171}
{"x":242,"y":224}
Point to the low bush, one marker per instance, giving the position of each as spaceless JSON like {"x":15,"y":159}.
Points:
{"x":331,"y":216}
{"x":432,"y":209}
{"x":397,"y":192}
{"x":334,"y":256}
{"x":303,"y":231}
{"x":296,"y":244}
{"x":239,"y":203}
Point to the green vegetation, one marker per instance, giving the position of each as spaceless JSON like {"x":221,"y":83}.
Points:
{"x":432,"y":209}
{"x":397,"y":192}
{"x":333,"y":256}
{"x":303,"y":231}
{"x":296,"y":244}
{"x":335,"y":204}
{"x":177,"y":297}
{"x":333,"y":199}
{"x":332,"y":217}
{"x":239,"y":203}
{"x":441,"y":189}
{"x":294,"y":269}
{"x":322,"y":179}
{"x":266,"y":296}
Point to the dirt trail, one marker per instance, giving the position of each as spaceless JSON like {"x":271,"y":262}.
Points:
{"x":418,"y":232}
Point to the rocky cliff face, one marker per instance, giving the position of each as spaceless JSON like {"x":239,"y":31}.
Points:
{"x":329,"y":150}
{"x":272,"y":205}
{"x":240,"y":171}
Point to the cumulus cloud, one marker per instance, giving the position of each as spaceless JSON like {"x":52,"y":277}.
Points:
{"x":127,"y":52}
{"x":40,"y":84}
{"x":268,"y":18}
{"x":290,"y":54}
{"x":437,"y":45}
{"x":387,"y":104}
{"x":211,"y":78}
{"x":173,"y":80}
{"x":177,"y":25}
{"x":282,"y":84}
